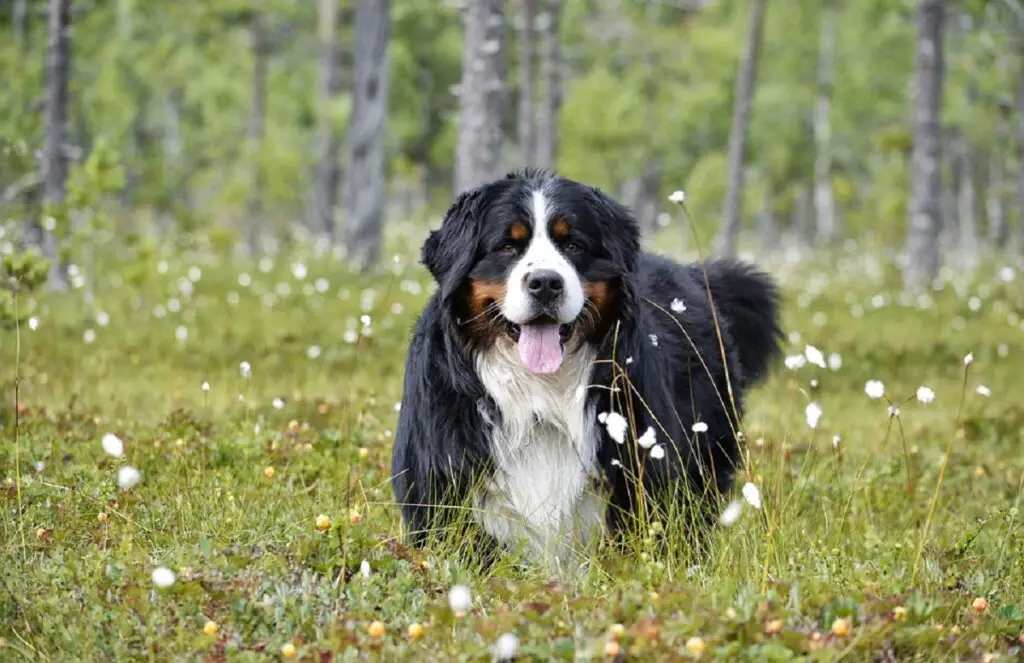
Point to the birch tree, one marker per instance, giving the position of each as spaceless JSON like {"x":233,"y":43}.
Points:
{"x":824,"y":200}
{"x":327,"y":174}
{"x":527,"y":83}
{"x":550,"y":110}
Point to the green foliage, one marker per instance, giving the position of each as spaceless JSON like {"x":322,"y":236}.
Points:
{"x":21,"y":275}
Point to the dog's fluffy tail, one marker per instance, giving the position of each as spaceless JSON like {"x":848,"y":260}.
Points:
{"x":749,"y":302}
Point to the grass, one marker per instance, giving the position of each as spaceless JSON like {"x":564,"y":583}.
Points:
{"x":875,"y":547}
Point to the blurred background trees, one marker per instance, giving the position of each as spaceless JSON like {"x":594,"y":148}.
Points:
{"x":795,"y":125}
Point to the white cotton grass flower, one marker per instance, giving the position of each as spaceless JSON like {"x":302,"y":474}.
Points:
{"x":507,"y":647}
{"x":163,"y":577}
{"x":731,"y":513}
{"x":794,"y":362}
{"x":678,"y":197}
{"x":658,"y":452}
{"x":835,"y":362}
{"x":245,"y":369}
{"x":647,"y":440}
{"x":874,"y":388}
{"x":925,"y":394}
{"x":813,"y":414}
{"x":128,"y":477}
{"x":836,"y":440}
{"x":677,"y":305}
{"x":616,"y":425}
{"x":205,"y":386}
{"x":894,"y":411}
{"x":460,"y":599}
{"x":752,"y":495}
{"x":814,"y":356}
{"x":969,"y":359}
{"x":113,"y":445}
{"x":982,"y":390}
{"x":699,"y":427}
{"x":364,"y":569}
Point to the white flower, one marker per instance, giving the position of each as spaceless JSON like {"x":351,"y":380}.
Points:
{"x":313,"y":351}
{"x":278,"y":403}
{"x":752,"y":495}
{"x":245,"y":368}
{"x":459,"y":598}
{"x":299,"y":271}
{"x":113,"y":445}
{"x":813,"y":414}
{"x":658,"y":452}
{"x":506,"y":647}
{"x":969,"y":359}
{"x":925,"y":395}
{"x":677,"y":197}
{"x":364,"y":568}
{"x":699,"y":427}
{"x":163,"y":576}
{"x":89,"y":336}
{"x":814,"y":355}
{"x":793,"y":362}
{"x":731,"y":513}
{"x":982,"y":390}
{"x":835,"y":362}
{"x":205,"y":386}
{"x":648,"y":439}
{"x":677,"y":305}
{"x":894,"y":411}
{"x":127,"y":477}
{"x":616,"y":425}
{"x":874,"y":388}
{"x":33,"y":323}
{"x":835,"y":441}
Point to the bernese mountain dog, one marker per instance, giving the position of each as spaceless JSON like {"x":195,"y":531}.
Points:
{"x":560,"y":378}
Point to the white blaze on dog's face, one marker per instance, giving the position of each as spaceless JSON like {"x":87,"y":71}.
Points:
{"x":544,"y":294}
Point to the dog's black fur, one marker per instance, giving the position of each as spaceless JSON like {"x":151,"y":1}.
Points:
{"x":441,"y":445}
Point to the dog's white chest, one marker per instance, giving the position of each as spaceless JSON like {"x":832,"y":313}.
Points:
{"x":544,"y":451}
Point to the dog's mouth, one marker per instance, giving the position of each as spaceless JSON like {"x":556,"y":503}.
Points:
{"x":540,"y":342}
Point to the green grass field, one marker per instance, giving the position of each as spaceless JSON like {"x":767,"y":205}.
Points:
{"x":877,"y":546}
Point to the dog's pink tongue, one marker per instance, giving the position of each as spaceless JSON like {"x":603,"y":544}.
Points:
{"x":540,"y":348}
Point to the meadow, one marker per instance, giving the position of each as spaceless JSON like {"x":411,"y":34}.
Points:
{"x":256,"y":401}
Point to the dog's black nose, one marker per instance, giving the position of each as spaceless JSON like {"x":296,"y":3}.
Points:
{"x":544,"y":285}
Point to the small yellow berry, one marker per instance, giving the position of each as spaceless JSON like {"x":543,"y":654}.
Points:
{"x":288,"y":650}
{"x":376,"y":629}
{"x":980,"y":604}
{"x":323,"y":523}
{"x":210,"y":627}
{"x":654,"y":596}
{"x":363,"y":453}
{"x":774,"y":626}
{"x":899,"y":613}
{"x":102,"y":517}
{"x":841,"y":627}
{"x":293,"y":426}
{"x":616,"y":631}
{"x":979,"y":471}
{"x":730,"y":613}
{"x":696,"y":646}
{"x":41,"y":533}
{"x":355,"y":516}
{"x":268,"y":471}
{"x":415,"y":630}
{"x":612,"y":648}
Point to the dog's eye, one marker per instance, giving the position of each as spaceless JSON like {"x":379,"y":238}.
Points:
{"x":573,"y":247}
{"x":508,"y":249}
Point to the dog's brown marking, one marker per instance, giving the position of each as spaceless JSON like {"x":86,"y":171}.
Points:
{"x":560,"y":229}
{"x":602,"y":298}
{"x":518,"y":232}
{"x":481,"y":309}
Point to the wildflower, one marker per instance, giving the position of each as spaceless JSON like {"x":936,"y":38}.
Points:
{"x":696,"y":646}
{"x":899,"y":613}
{"x":506,"y":647}
{"x":89,"y":336}
{"x":364,"y":453}
{"x":925,"y":395}
{"x":841,"y":627}
{"x":616,"y":631}
{"x":835,"y":362}
{"x":835,"y":441}
{"x":980,"y":604}
{"x":874,"y":388}
{"x":113,"y":445}
{"x":277,"y":403}
{"x":658,"y":452}
{"x":677,"y":197}
{"x":364,"y":569}
{"x":612,"y":649}
{"x":355,"y":516}
{"x":205,"y":386}
{"x":982,"y":390}
{"x":288,"y":650}
{"x":323,"y":523}
{"x":376,"y":629}
{"x":268,"y":471}
{"x":616,"y":425}
{"x":102,"y":517}
{"x":814,"y":355}
{"x":969,"y":359}
{"x":794,"y":362}
{"x":163,"y":577}
{"x":128,"y":477}
{"x":774,"y":626}
{"x":460,"y":599}
{"x":731,"y":513}
{"x":677,"y":305}
{"x":752,"y":495}
{"x":33,"y":323}
{"x":245,"y":368}
{"x":894,"y":411}
{"x":647,"y":440}
{"x":699,"y":427}
{"x":210,"y":627}
{"x":313,"y":351}
{"x":813,"y":414}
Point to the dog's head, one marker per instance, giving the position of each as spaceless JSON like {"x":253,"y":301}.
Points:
{"x":534,"y":260}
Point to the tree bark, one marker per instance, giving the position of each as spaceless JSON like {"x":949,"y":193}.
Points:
{"x":922,"y":248}
{"x":19,"y":19}
{"x":966,"y":205}
{"x":995,"y":211}
{"x":367,"y":168}
{"x":527,"y":84}
{"x":481,"y":95}
{"x":257,"y":121}
{"x":54,"y":162}
{"x":745,"y":82}
{"x":327,"y":175}
{"x":551,"y":65}
{"x":1019,"y":239}
{"x":824,"y":200}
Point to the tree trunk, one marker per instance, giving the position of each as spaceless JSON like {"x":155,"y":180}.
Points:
{"x":824,"y":200}
{"x":54,"y":162}
{"x":1019,"y":240}
{"x":257,"y":122}
{"x":922,"y":249}
{"x":19,"y":19}
{"x":995,"y":213}
{"x":551,"y":66}
{"x":966,"y":206}
{"x":481,"y":96}
{"x":527,"y":56}
{"x":745,"y":82}
{"x":327,"y":175}
{"x":367,"y":168}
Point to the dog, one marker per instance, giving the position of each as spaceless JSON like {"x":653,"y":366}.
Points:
{"x":560,"y":377}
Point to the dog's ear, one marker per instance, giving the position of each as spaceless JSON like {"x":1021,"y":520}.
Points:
{"x":620,"y":234}
{"x":449,"y":251}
